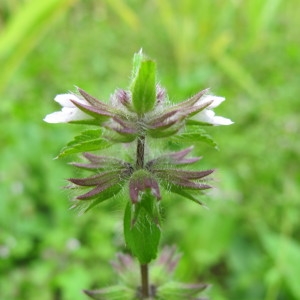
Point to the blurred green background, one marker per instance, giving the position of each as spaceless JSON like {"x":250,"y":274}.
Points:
{"x":247,"y":243}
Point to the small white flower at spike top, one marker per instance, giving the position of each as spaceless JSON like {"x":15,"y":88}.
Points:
{"x":208,"y":115}
{"x":69,"y":111}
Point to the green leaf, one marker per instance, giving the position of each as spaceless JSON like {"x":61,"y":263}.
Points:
{"x":115,"y":137}
{"x":89,"y":140}
{"x":142,"y":238}
{"x":143,"y":86}
{"x":193,"y":135}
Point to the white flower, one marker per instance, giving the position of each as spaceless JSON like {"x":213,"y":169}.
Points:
{"x":208,"y":115}
{"x":69,"y":111}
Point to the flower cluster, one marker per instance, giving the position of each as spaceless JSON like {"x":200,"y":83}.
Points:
{"x":120,"y":117}
{"x":163,"y":284}
{"x":143,"y":110}
{"x":166,"y":171}
{"x":125,"y":124}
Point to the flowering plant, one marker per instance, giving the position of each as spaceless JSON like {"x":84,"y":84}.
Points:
{"x":135,"y":116}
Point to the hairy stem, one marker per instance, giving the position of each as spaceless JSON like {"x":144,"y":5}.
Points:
{"x":140,"y":158}
{"x":140,"y":152}
{"x":145,"y":282}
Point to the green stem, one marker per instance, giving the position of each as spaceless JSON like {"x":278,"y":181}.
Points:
{"x":140,"y":152}
{"x":145,"y":281}
{"x":140,"y":157}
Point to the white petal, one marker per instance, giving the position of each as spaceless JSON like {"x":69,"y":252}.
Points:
{"x":56,"y":117}
{"x":65,"y":100}
{"x":208,"y":116}
{"x":222,"y":121}
{"x":216,"y":100}
{"x":205,"y":116}
{"x":66,"y":115}
{"x":75,"y":114}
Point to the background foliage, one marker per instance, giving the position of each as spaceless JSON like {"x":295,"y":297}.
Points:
{"x":247,"y":243}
